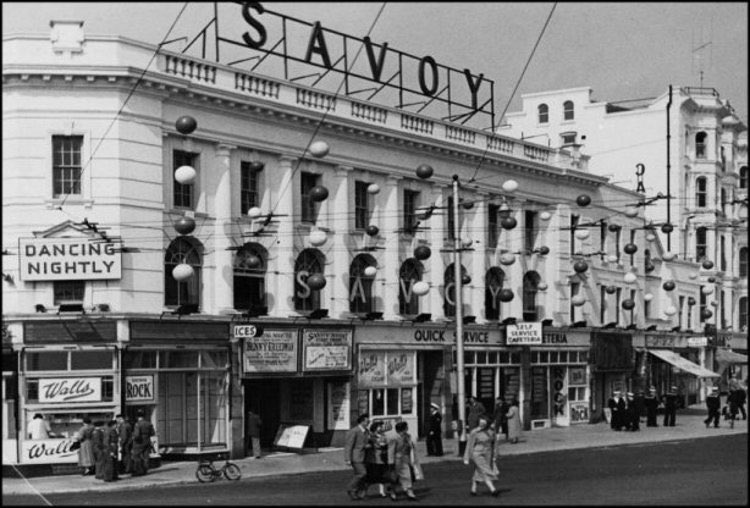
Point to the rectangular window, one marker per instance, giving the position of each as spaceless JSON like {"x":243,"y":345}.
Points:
{"x":493,"y":231}
{"x":530,"y":236}
{"x":575,"y":287}
{"x":722,"y":308}
{"x":632,"y":240}
{"x":603,"y":305}
{"x":47,"y":360}
{"x":723,"y":252}
{"x":451,"y":222}
{"x":647,"y":309}
{"x":248,"y":187}
{"x":183,"y":193}
{"x":681,"y":310}
{"x":91,"y":360}
{"x":702,"y":304}
{"x":568,"y":139}
{"x":574,"y":219}
{"x":68,"y":291}
{"x":309,"y":207}
{"x":617,"y":245}
{"x":66,"y":165}
{"x":361,"y":205}
{"x":632,"y":311}
{"x":602,"y":236}
{"x":618,"y":298}
{"x":411,"y":202}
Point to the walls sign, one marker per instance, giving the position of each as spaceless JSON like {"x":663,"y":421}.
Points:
{"x":81,"y":389}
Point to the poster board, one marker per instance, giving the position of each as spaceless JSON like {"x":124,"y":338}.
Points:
{"x":291,"y":436}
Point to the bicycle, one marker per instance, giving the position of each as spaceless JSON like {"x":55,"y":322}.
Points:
{"x":207,"y":472}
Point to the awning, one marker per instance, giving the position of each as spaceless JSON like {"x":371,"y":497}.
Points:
{"x":728,"y":356}
{"x":682,"y":363}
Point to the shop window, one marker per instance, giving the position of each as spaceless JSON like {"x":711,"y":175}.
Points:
{"x":700,"y":145}
{"x":568,"y":110}
{"x":411,"y":202}
{"x":602,"y":304}
{"x":178,"y":359}
{"x":530,"y":289}
{"x":249,"y":186}
{"x":553,"y":357}
{"x":185,"y":292}
{"x":504,"y":358}
{"x":481,"y":357}
{"x":469,"y":358}
{"x":361,"y":205}
{"x":492,"y":359}
{"x":575,"y":288}
{"x":47,"y":360}
{"x":534,"y":357}
{"x":90,"y":360}
{"x":214,"y":359}
{"x":539,"y":393}
{"x":701,"y":192}
{"x":10,"y":395}
{"x":543,"y":357}
{"x":543,"y":113}
{"x":583,"y":357}
{"x":66,"y":165}
{"x":68,"y":291}
{"x":310,"y":261}
{"x":411,"y":271}
{"x":184,"y":194}
{"x":309,"y":206}
{"x":563,"y":357}
{"x":494,"y":281}
{"x":134,"y":359}
{"x":250,"y":265}
{"x":360,"y":284}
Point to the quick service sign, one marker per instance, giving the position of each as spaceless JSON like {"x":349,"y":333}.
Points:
{"x":44,"y":259}
{"x":523,"y":334}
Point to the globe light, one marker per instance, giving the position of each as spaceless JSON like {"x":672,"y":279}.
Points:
{"x":466,"y":243}
{"x":370,"y":271}
{"x":580,"y":266}
{"x":182,"y":272}
{"x":422,"y":252}
{"x":631,"y":211}
{"x":466,"y":279}
{"x":185,"y":225}
{"x":630,"y":248}
{"x":420,"y":288}
{"x":612,"y":258}
{"x":630,"y":278}
{"x":254,"y":212}
{"x":543,"y":250}
{"x":252,"y":261}
{"x":373,"y":188}
{"x":542,"y":286}
{"x":508,"y":222}
{"x":707,"y":290}
{"x":505,"y":295}
{"x":185,"y":175}
{"x":424,"y":171}
{"x":628,"y":304}
{"x":610,"y":290}
{"x":648,"y":297}
{"x":650,"y":237}
{"x":256,"y":166}
{"x":578,"y":300}
{"x":706,"y":313}
{"x":582,"y":234}
{"x":372,"y":230}
{"x":316,"y":281}
{"x":707,"y":264}
{"x":583,"y":200}
{"x":185,"y":124}
{"x":667,"y":228}
{"x":318,"y":237}
{"x":507,"y":258}
{"x":545,"y":216}
{"x":510,"y":186}
{"x":318,"y":193}
{"x":319,"y":149}
{"x":669,"y":256}
{"x":671,"y":310}
{"x":669,"y":285}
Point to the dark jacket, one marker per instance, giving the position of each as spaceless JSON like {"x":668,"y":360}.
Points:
{"x":713,"y":402}
{"x":253,"y":424}
{"x":436,"y":420}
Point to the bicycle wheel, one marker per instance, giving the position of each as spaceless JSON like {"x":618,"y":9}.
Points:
{"x":231,"y":471}
{"x":205,"y":473}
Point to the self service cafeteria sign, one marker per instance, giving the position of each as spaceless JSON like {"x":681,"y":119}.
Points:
{"x":44,"y":259}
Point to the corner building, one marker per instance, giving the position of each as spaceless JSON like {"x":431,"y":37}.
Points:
{"x":244,"y":288}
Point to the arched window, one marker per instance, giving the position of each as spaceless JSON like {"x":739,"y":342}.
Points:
{"x":493,"y":283}
{"x":360,"y":285}
{"x":700,"y":191}
{"x":186,"y":292}
{"x":308,"y":262}
{"x":249,"y":279}
{"x":411,"y":271}
{"x":743,"y":262}
{"x":700,"y":145}
{"x":743,"y":177}
{"x":700,"y":243}
{"x":449,"y":295}
{"x":530,"y":289}
{"x":568,"y":110}
{"x":543,"y":111}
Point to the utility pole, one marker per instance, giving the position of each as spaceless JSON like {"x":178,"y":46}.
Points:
{"x":458,"y":284}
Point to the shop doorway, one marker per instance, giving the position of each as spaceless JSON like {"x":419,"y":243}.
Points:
{"x":263,"y":398}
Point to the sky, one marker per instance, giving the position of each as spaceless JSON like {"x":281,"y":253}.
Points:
{"x":622,"y":50}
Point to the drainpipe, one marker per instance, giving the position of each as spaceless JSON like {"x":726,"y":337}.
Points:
{"x":669,"y":193}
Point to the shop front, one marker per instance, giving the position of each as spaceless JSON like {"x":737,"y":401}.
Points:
{"x":68,"y":371}
{"x":730,"y":357}
{"x":179,"y":374}
{"x":10,"y":398}
{"x":611,"y":359}
{"x":298,"y":381}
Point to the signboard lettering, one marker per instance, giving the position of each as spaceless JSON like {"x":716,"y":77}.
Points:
{"x":371,"y":368}
{"x":48,"y":451}
{"x":274,"y":351}
{"x":697,"y":341}
{"x":400,"y":368}
{"x":87,"y":389}
{"x":44,"y":259}
{"x":139,"y":388}
{"x":327,"y":349}
{"x":579,"y":412}
{"x":338,"y":406}
{"x":247,"y":331}
{"x":523,"y":334}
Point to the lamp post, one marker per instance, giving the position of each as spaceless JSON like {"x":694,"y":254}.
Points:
{"x":458,"y":284}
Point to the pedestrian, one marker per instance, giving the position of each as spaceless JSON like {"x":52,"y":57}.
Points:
{"x":125,"y":442}
{"x":376,"y":458}
{"x":639,"y":402}
{"x":632,"y":419}
{"x":500,"y":417}
{"x":713,"y":404}
{"x":435,"y":432}
{"x":514,"y":421}
{"x":253,"y":431}
{"x":480,"y":450}
{"x":402,"y":457}
{"x":39,"y":428}
{"x":476,"y":409}
{"x":616,"y":405}
{"x":86,"y":458}
{"x":140,"y":454}
{"x":740,"y":395}
{"x":354,"y":455}
{"x":733,"y":401}
{"x":651,"y":401}
{"x":109,"y":452}
{"x":670,"y":407}
{"x":98,"y":441}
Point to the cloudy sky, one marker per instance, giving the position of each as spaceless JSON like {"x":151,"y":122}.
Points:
{"x":621,"y":50}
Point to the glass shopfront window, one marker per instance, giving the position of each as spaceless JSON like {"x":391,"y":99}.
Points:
{"x":492,"y":374}
{"x":388,"y":381}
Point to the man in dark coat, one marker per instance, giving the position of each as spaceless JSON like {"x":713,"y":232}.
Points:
{"x":357,"y":439}
{"x":670,"y":407}
{"x":633,"y":416}
{"x":713,"y":403}
{"x":98,"y":440}
{"x":141,"y":451}
{"x":125,"y":442}
{"x":109,"y":451}
{"x":616,"y":405}
{"x":253,"y":433}
{"x":435,"y":432}
{"x":651,"y":401}
{"x":475,"y":410}
{"x":500,"y":416}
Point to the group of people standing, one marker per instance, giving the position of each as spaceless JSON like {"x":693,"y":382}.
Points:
{"x":735,"y":404}
{"x":625,"y":412}
{"x":115,"y":448}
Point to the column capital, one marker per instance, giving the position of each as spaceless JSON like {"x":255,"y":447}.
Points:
{"x":342,"y":171}
{"x":288,"y":158}
{"x":224,"y":149}
{"x":391,"y":179}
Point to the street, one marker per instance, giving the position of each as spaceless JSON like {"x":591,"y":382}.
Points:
{"x":710,"y":471}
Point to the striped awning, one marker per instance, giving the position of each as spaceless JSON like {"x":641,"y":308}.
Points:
{"x":729,"y":356}
{"x":682,"y":363}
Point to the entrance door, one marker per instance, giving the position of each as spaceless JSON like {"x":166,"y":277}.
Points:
{"x":263,"y":398}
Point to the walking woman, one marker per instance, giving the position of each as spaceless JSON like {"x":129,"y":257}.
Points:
{"x":480,"y":451}
{"x":376,"y":457}
{"x":402,"y":456}
{"x":514,"y":422}
{"x":86,"y":450}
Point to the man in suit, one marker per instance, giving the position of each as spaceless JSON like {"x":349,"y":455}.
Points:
{"x":651,"y":401}
{"x":670,"y":407}
{"x":476,"y":409}
{"x":713,"y":404}
{"x":616,"y":405}
{"x":434,"y":434}
{"x":125,"y":440}
{"x":357,"y":439}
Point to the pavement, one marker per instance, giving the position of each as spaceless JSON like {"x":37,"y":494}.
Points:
{"x":689,"y":425}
